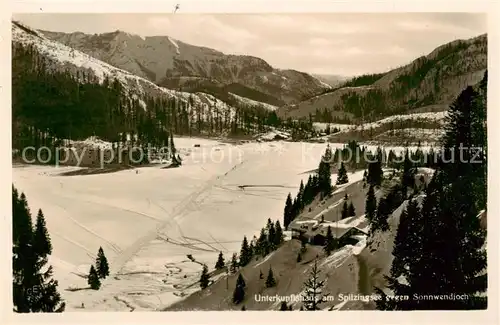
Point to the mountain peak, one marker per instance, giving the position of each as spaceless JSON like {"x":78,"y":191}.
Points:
{"x":161,"y":58}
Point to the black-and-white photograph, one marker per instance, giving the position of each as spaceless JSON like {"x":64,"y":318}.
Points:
{"x":249,"y":162}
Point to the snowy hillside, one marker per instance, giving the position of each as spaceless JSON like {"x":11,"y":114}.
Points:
{"x":63,"y":57}
{"x":148,"y":222}
{"x":395,"y":119}
{"x":159,"y":58}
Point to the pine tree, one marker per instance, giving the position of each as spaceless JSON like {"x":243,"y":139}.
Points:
{"x":342,"y":175}
{"x":345,"y":210}
{"x":204,"y":278}
{"x":271,"y":236}
{"x":371,"y":206}
{"x":381,"y":216}
{"x":408,"y":176}
{"x":352,"y":211}
{"x":173,"y":150}
{"x":245,"y":256}
{"x":220,"y":262}
{"x":234,"y":263}
{"x":270,"y":281}
{"x":300,"y":195}
{"x":330,"y":242}
{"x":262,"y":247}
{"x":93,"y":279}
{"x":239,"y":290}
{"x":313,"y":289}
{"x":284,"y":306}
{"x":243,"y":308}
{"x":404,"y":242}
{"x":278,"y":235}
{"x":34,"y":290}
{"x":448,"y":254}
{"x":42,"y":244}
{"x":375,"y":173}
{"x":325,"y":173}
{"x":288,"y":211}
{"x":102,"y":266}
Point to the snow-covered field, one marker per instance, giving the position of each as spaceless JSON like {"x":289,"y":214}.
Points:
{"x":148,"y":222}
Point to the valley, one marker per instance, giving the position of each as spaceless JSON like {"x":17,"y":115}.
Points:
{"x":254,"y":196}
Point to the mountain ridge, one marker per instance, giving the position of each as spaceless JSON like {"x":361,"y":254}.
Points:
{"x":433,"y":79}
{"x":159,"y":58}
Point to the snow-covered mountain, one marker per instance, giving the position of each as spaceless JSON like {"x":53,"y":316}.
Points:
{"x":62,"y":57}
{"x":167,"y":61}
{"x":432,"y":80}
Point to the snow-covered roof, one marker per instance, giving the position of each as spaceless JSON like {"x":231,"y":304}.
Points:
{"x":300,"y":222}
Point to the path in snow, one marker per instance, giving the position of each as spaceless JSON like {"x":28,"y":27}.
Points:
{"x":178,"y":211}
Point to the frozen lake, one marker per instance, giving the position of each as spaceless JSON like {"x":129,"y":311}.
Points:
{"x":147,"y":222}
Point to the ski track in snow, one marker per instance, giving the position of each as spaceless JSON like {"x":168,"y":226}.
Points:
{"x":178,"y":211}
{"x":111,"y":244}
{"x":137,"y":269}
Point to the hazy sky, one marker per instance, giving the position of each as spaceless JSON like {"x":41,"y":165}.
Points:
{"x":339,"y":43}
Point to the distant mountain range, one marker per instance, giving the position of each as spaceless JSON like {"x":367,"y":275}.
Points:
{"x":162,"y":65}
{"x":429,"y":83}
{"x":331,"y":79}
{"x":178,"y":65}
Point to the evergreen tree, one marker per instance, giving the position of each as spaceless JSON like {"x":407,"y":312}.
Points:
{"x":243,"y":308}
{"x":284,"y":306}
{"x":371,"y":205}
{"x":271,"y":236}
{"x":234,"y":264}
{"x":342,"y":175}
{"x":381,"y":216}
{"x":262,"y":246}
{"x":245,"y":256}
{"x":220,"y":262}
{"x":42,"y":244}
{"x":270,"y":281}
{"x":278,"y":235}
{"x":102,"y":266}
{"x":375,"y":173}
{"x":330,"y":242}
{"x":313,"y":289}
{"x":261,"y":275}
{"x":352,"y":211}
{"x":406,"y":236}
{"x":93,"y":279}
{"x":448,"y":254}
{"x":300,"y":195}
{"x":239,"y":290}
{"x":345,"y":210}
{"x":34,"y":290}
{"x":325,"y":173}
{"x":204,"y":278}
{"x":173,"y":150}
{"x":288,"y":211}
{"x":408,"y":176}
{"x":251,"y":250}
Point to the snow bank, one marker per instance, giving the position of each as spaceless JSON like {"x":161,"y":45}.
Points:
{"x":253,"y":103}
